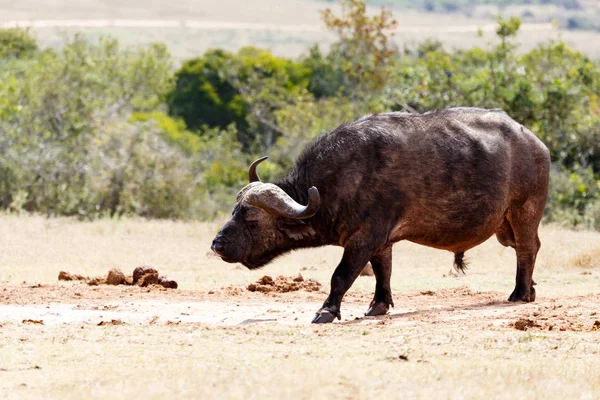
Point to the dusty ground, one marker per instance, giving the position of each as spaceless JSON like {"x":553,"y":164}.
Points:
{"x":447,"y":337}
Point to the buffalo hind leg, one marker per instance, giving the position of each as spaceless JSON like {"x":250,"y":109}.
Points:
{"x":505,"y":234}
{"x":524,"y":221}
{"x":356,"y":255}
{"x":506,"y":237}
{"x":382,"y":267}
{"x":524,"y":287}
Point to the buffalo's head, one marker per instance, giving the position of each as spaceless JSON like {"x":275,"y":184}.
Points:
{"x":265,"y":223}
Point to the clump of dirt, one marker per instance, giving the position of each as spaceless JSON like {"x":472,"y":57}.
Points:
{"x":142,"y":276}
{"x":230,"y":291}
{"x":167,"y":283}
{"x":98,"y":280}
{"x":148,"y":279}
{"x":65,"y":276}
{"x":558,"y":317}
{"x":283,"y":284}
{"x":525,"y":324}
{"x":37,"y":286}
{"x":33,"y":321}
{"x":115,"y":277}
{"x":140,"y":272}
{"x":401,"y":357}
{"x":111,"y":322}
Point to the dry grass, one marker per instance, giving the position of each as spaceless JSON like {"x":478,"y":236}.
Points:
{"x":126,"y":362}
{"x":39,"y":248}
{"x":442,"y":343}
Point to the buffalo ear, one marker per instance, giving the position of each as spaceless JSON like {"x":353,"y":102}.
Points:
{"x":298,"y":231}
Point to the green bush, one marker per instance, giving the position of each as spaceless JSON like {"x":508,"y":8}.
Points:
{"x":17,"y":43}
{"x":54,"y":104}
{"x":573,"y":198}
{"x":134,"y":171}
{"x":221,"y":88}
{"x":203,"y":95}
{"x":173,"y":131}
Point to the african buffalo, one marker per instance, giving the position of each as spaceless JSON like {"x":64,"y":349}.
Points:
{"x":446,"y":179}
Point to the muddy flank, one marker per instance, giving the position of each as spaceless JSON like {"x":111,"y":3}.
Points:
{"x":142,"y":276}
{"x":284,"y":284}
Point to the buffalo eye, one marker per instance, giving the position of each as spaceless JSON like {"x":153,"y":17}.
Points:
{"x":251,"y":214}
{"x":247,"y":214}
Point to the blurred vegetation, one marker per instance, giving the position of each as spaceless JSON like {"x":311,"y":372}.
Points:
{"x":16,"y":43}
{"x":568,"y":4}
{"x":461,"y":5}
{"x":568,"y":14}
{"x":97,"y":130}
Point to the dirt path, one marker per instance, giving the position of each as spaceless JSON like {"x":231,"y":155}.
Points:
{"x":80,"y":304}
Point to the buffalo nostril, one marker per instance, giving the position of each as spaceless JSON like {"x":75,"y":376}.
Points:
{"x":217,"y":247}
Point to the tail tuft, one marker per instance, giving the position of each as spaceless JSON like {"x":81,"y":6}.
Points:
{"x":460,"y":265}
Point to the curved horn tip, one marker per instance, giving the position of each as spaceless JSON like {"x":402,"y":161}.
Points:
{"x":313,"y":195}
{"x":314,"y":203}
{"x":252,"y":175}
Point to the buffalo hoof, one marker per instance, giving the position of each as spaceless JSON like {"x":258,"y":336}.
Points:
{"x":522,"y":295}
{"x":325,"y":316}
{"x":377,"y":308}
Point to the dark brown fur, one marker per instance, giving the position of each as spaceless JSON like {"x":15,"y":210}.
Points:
{"x":459,"y":262}
{"x":446,"y":179}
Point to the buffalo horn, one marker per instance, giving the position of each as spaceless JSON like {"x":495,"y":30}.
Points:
{"x":252,"y":175}
{"x":273,"y":199}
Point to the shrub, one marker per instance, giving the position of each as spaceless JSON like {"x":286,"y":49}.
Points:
{"x":17,"y":43}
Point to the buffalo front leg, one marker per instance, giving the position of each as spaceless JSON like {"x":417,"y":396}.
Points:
{"x":382,"y":267}
{"x":353,"y":261}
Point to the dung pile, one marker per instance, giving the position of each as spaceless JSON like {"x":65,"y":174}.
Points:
{"x":65,"y":276}
{"x":284,"y":284}
{"x":142,"y":276}
{"x":525,"y":324}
